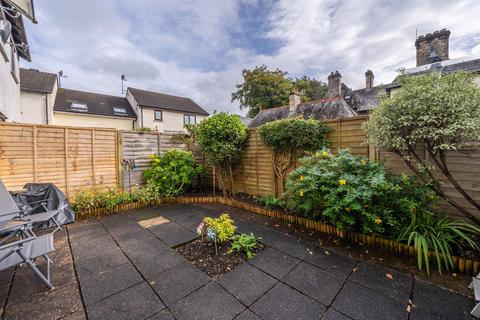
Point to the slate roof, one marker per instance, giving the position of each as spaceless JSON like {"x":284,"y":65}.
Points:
{"x":319,"y":110}
{"x":98,"y":104}
{"x":367,"y":98}
{"x":165,"y":101}
{"x":37,"y":81}
{"x":19,"y":33}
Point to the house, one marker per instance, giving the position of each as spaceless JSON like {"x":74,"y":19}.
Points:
{"x":37,"y":96}
{"x":88,"y":109}
{"x":13,"y":46}
{"x":163,"y":112}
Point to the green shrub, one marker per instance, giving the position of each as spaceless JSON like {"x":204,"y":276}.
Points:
{"x":222,"y":226}
{"x":271,"y":203}
{"x":354,"y":194}
{"x":144,"y":129}
{"x":244,"y":243}
{"x":172,"y":172}
{"x":437,"y":233}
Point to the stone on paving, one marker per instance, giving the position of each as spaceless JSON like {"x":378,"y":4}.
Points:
{"x":208,"y":302}
{"x":162,"y":315}
{"x":284,"y":303}
{"x":295,"y":247}
{"x":247,"y":315}
{"x":138,"y":302}
{"x":173,"y":234}
{"x":274,"y":262}
{"x":314,"y":282}
{"x":247,"y":283}
{"x":339,"y":265}
{"x":435,"y":301}
{"x":49,"y":304}
{"x":362,"y":303}
{"x":151,"y":263}
{"x":333,"y":314}
{"x":101,"y":285}
{"x":178,"y":282}
{"x":375,"y":277}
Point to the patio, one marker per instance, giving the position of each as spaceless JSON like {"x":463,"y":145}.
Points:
{"x":115,"y":268}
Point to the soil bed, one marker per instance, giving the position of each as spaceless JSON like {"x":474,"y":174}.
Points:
{"x":202,"y":254}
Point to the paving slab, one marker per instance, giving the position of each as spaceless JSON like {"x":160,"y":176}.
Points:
{"x":138,"y":302}
{"x":79,"y":315}
{"x":178,"y":282}
{"x":314,"y":282}
{"x":162,"y":315}
{"x":284,"y":303}
{"x":173,"y":234}
{"x":437,"y":302}
{"x":98,"y":286}
{"x":247,"y":315}
{"x":338,"y":265}
{"x":207,"y":303}
{"x":151,"y":263}
{"x":333,"y":314}
{"x":274,"y":262}
{"x":362,"y":303}
{"x":378,"y":278}
{"x":99,"y":261}
{"x":294,"y":247}
{"x":247,"y":283}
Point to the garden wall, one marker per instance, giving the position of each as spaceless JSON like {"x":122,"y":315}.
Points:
{"x":70,"y":157}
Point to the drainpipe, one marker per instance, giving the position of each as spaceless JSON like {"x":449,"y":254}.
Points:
{"x":141,"y":111}
{"x":46,"y":108}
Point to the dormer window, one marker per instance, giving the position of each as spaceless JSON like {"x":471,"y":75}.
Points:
{"x":79,"y":106}
{"x":120,"y":110}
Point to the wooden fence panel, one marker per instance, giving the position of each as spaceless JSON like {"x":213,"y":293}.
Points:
{"x":71,"y":157}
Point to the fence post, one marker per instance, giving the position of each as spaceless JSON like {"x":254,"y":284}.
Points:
{"x":256,"y":158}
{"x":34,"y":132}
{"x":65,"y":145}
{"x":159,"y":145}
{"x":339,"y":130}
{"x":92,"y":132}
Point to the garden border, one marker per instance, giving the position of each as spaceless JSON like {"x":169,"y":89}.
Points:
{"x":460,"y":264}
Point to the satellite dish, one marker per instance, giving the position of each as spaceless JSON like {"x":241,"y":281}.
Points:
{"x":5,"y":30}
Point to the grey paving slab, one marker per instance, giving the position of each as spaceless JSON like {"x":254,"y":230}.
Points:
{"x":274,"y":262}
{"x":151,"y":263}
{"x":79,"y":315}
{"x":437,"y":302}
{"x":162,"y":315}
{"x":362,"y":303}
{"x":247,"y":283}
{"x":99,"y":261}
{"x":178,"y":282}
{"x":376,"y":277}
{"x":138,"y":302}
{"x":284,"y":303}
{"x":334,"y":263}
{"x":268,"y":235}
{"x":98,"y":286}
{"x":247,"y":315}
{"x":295,"y":247}
{"x":333,"y":314}
{"x":207,"y":303}
{"x":173,"y":234}
{"x":314,"y":282}
{"x":190,"y":222}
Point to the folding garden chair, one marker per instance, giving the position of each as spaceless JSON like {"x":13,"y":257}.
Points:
{"x":475,"y":285}
{"x":26,"y":251}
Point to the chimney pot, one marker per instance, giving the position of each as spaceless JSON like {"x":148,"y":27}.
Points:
{"x":334,"y":84}
{"x":369,"y":79}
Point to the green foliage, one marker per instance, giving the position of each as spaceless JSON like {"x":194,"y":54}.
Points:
{"x":171,"y":172}
{"x":223,"y":226}
{"x":271,"y":203}
{"x":294,"y":133}
{"x":144,"y":129}
{"x":437,"y":233}
{"x":244,"y":243}
{"x":354,"y":194}
{"x":310,"y":88}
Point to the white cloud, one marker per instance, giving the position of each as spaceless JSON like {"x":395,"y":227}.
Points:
{"x":186,"y":47}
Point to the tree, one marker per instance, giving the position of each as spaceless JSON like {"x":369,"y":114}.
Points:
{"x":222,"y":138}
{"x":441,"y":112}
{"x":262,"y":88}
{"x":310,"y":88}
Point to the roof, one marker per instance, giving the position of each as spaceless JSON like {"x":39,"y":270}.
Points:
{"x":37,"y":81}
{"x":320,"y":110}
{"x":98,"y":104}
{"x":165,"y":101}
{"x":19,"y":34}
{"x":246,"y":120}
{"x":367,"y":98}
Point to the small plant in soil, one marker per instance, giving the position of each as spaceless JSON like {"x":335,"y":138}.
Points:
{"x":244,"y":243}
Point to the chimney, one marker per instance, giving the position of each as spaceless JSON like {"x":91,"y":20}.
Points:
{"x":334,"y":84}
{"x":293,"y":100}
{"x":432,"y":47}
{"x":369,"y":79}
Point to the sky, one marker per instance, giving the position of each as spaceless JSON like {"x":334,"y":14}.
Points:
{"x":198,"y":48}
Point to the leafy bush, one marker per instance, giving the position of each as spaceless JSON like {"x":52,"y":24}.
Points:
{"x":172,"y":172}
{"x":354,"y":194}
{"x":437,"y":233}
{"x":244,"y":243}
{"x":271,"y":203}
{"x":144,"y":129}
{"x":222,"y":138}
{"x":222,"y":226}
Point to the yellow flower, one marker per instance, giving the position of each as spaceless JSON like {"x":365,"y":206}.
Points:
{"x":342,"y":182}
{"x":317,"y":154}
{"x":302,"y":178}
{"x":378,"y":220}
{"x":301,"y":193}
{"x":348,"y":209}
{"x":325,"y":154}
{"x":364,"y":162}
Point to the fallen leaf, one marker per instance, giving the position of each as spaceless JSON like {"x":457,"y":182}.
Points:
{"x":354,"y":269}
{"x":454,"y":274}
{"x":408,"y":308}
{"x":327,"y":253}
{"x":389,"y":276}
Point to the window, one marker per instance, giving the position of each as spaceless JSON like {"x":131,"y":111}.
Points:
{"x":188,"y":119}
{"x":158,"y":115}
{"x":120,"y":110}
{"x":79,"y":106}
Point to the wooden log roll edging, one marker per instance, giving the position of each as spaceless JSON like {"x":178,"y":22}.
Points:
{"x":460,"y":264}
